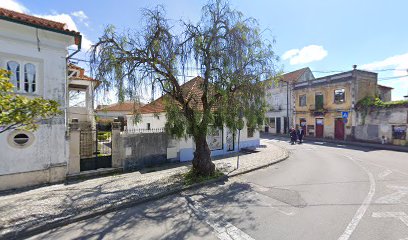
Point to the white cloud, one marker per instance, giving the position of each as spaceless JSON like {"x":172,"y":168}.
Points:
{"x":86,"y":43}
{"x":70,"y":24}
{"x":307,"y":54}
{"x":63,"y":17}
{"x":13,"y":5}
{"x":400,"y":65}
{"x":81,"y":16}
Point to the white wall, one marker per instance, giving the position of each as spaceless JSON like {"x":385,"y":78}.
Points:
{"x":184,"y":148}
{"x":50,"y":148}
{"x":155,"y":120}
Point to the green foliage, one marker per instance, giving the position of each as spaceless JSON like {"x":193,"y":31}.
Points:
{"x":233,"y":56}
{"x":191,"y":177}
{"x":369,"y":104}
{"x":21,"y":112}
{"x":103,"y":136}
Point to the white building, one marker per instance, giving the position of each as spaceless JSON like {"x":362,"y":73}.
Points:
{"x":81,"y":89}
{"x":279,"y":97}
{"x":35,"y":50}
{"x":221,"y":141}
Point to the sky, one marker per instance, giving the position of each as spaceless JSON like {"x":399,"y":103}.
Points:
{"x":327,"y":36}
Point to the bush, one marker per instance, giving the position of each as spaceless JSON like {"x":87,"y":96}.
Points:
{"x":103,"y":136}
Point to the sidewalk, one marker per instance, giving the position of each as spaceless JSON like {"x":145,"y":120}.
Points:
{"x":351,"y":143}
{"x":26,"y":213}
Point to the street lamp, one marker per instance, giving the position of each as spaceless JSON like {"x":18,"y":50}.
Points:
{"x":240,"y":126}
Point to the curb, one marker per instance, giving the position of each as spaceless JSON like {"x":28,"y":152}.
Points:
{"x":368,"y":145}
{"x":179,"y":188}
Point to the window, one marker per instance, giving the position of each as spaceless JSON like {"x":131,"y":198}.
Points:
{"x":319,"y":101}
{"x":302,"y":100}
{"x":339,"y":96}
{"x":148,"y":126}
{"x":250,"y":132}
{"x":272,"y":122}
{"x":20,"y":139}
{"x":24,"y":80}
{"x":14,"y":68}
{"x":276,"y":100}
{"x":29,"y":78}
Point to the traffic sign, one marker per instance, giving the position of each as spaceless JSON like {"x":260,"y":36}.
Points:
{"x":345,"y":120}
{"x":344,"y":114}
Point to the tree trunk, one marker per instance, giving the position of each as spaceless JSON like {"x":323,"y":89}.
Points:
{"x":202,"y":164}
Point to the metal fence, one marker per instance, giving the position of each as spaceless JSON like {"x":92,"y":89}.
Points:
{"x":140,"y":130}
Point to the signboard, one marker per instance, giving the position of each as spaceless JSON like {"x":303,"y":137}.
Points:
{"x":344,"y":114}
{"x":399,"y":132}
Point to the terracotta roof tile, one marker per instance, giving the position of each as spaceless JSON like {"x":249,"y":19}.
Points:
{"x":82,"y":75}
{"x":293,"y":76}
{"x":382,"y":86}
{"x":7,"y":14}
{"x":191,"y":89}
{"x":128,"y":107}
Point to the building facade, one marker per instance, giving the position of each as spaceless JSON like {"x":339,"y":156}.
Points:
{"x":35,"y":50}
{"x":220,"y":140}
{"x":324,"y":107}
{"x":81,"y":89}
{"x":279,"y":97}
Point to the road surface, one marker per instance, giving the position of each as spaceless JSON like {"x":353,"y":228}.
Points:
{"x":322,"y":191}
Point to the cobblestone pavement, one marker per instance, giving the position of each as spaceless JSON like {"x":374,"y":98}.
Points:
{"x":42,"y":206}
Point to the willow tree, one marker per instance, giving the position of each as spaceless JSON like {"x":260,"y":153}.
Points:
{"x":228,"y":49}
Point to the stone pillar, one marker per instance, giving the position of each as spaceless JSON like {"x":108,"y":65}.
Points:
{"x":74,"y":147}
{"x":116,"y":156}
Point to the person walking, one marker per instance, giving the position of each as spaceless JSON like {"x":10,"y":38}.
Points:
{"x":293,"y":137}
{"x":300,"y":133}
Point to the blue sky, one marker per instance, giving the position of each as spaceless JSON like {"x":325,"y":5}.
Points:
{"x":327,"y":36}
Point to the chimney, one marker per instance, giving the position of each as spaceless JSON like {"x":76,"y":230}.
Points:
{"x":354,"y":67}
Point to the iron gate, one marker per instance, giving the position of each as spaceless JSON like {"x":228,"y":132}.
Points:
{"x":95,"y":149}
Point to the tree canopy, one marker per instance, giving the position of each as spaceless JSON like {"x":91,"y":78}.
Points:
{"x":229,"y":52}
{"x":21,"y":112}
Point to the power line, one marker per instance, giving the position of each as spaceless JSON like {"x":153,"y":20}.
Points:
{"x":391,"y":78}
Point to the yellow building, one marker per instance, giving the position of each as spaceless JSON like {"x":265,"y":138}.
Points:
{"x":324,"y":107}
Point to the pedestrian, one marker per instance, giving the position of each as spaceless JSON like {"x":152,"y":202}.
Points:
{"x":300,"y":133}
{"x":292,"y":133}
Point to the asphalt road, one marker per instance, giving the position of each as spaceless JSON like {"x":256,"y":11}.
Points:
{"x":322,"y":191}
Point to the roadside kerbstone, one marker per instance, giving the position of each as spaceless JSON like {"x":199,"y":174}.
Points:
{"x":47,"y":205}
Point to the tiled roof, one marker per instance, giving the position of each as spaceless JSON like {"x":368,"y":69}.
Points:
{"x":22,"y":18}
{"x":191,"y":89}
{"x":293,"y":76}
{"x":128,"y":107}
{"x":382,"y":86}
{"x":81,"y":75}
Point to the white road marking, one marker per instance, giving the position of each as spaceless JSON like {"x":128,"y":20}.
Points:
{"x":223,"y":229}
{"x":400,"y":215}
{"x":382,"y":166}
{"x":363,"y":208}
{"x":394,"y":197}
{"x":386,"y":172}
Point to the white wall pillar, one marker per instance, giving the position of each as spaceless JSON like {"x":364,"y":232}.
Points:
{"x":74,"y":148}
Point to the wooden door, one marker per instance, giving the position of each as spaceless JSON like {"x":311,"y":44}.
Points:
{"x":339,"y":129}
{"x":319,"y":127}
{"x":278,"y":125}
